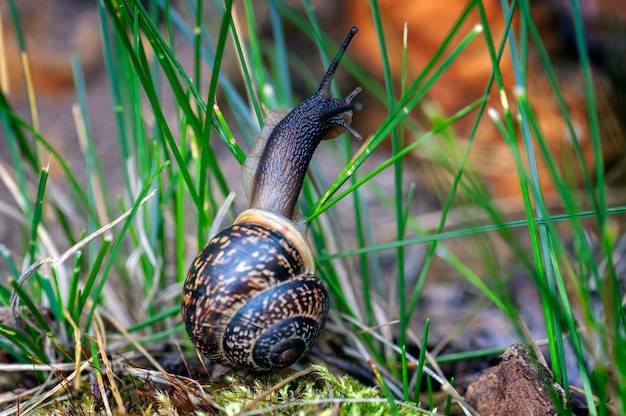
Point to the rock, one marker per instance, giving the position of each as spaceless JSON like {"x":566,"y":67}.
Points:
{"x":519,"y":385}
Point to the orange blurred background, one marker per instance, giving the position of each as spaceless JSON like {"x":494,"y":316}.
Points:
{"x":428,"y":23}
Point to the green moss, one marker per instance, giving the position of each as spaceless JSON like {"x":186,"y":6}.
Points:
{"x":318,"y":392}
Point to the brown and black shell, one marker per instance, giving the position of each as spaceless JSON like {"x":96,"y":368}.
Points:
{"x":251,"y":298}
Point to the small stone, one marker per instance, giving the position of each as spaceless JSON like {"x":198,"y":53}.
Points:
{"x":519,"y":385}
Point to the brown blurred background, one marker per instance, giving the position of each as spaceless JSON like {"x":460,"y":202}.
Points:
{"x":57,"y":29}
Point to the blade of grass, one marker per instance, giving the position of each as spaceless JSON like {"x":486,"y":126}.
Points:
{"x":419,"y":372}
{"x":85,"y":294}
{"x":397,"y":143}
{"x":26,"y":68}
{"x":280,"y":67}
{"x":386,"y":391}
{"x":206,"y":152}
{"x":30,"y":351}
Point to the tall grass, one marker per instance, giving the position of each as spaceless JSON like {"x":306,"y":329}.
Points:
{"x":89,"y":253}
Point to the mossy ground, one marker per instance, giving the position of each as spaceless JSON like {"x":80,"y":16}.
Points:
{"x":314,"y":390}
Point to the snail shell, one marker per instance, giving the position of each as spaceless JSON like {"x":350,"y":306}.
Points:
{"x":251,"y":298}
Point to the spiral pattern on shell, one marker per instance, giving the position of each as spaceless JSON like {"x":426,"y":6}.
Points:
{"x":251,"y":298}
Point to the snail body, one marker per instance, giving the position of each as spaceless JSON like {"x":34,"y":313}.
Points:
{"x":251,"y":298}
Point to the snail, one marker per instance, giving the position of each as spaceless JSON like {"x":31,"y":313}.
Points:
{"x":251,"y":298}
